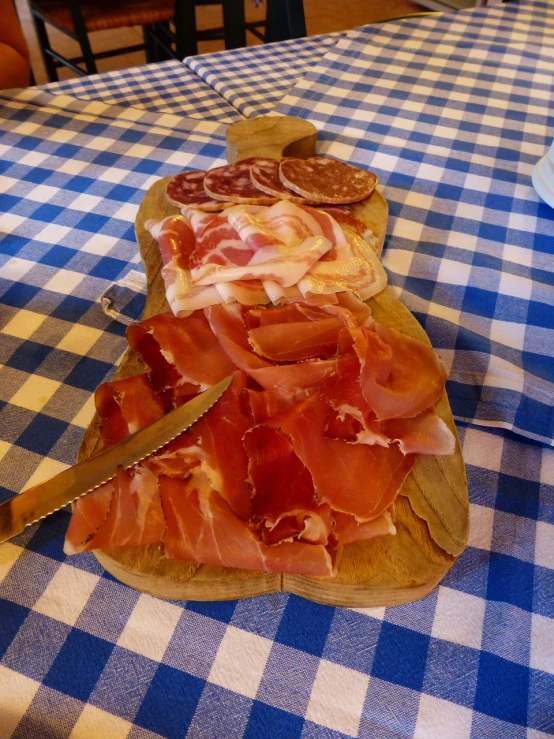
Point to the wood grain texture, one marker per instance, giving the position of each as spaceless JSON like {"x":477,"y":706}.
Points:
{"x":432,"y":508}
{"x":273,"y":137}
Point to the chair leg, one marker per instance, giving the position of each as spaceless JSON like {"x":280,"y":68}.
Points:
{"x":185,"y":29}
{"x":284,"y":20}
{"x":44,"y":43}
{"x":82,"y":36}
{"x":234,"y":19}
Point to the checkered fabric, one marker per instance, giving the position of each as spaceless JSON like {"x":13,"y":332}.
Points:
{"x":253,"y":80}
{"x":83,"y":656}
{"x":453,"y":127}
{"x":168,"y":87}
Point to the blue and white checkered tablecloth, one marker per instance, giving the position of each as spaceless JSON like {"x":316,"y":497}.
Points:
{"x":253,"y":80}
{"x":168,"y":87}
{"x":83,"y":656}
{"x":453,"y":128}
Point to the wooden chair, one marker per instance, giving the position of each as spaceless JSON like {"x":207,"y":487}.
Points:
{"x":78,"y":18}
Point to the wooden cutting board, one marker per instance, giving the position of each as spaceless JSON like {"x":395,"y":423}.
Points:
{"x":431,"y":512}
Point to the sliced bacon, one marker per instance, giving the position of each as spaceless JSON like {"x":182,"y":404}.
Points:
{"x":202,"y":528}
{"x":220,"y":244}
{"x":179,"y":350}
{"x":125,"y":406}
{"x":198,"y":219}
{"x":134,"y":516}
{"x":245,"y":292}
{"x":176,"y":242}
{"x":281,"y":265}
{"x":344,"y":217}
{"x":356,"y":479}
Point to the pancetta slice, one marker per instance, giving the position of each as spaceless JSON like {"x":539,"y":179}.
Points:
{"x":176,"y":241}
{"x":356,"y":268}
{"x":201,"y":527}
{"x":275,"y":263}
{"x":179,"y":350}
{"x":125,"y":406}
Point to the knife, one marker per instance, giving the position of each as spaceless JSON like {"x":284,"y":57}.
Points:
{"x":49,"y":496}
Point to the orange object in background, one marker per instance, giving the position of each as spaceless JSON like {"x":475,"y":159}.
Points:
{"x":15,"y":68}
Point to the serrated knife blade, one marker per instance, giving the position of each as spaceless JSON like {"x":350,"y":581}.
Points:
{"x":49,"y":496}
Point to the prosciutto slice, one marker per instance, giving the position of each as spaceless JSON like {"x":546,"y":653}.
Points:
{"x":356,"y":479}
{"x":125,"y":406}
{"x":283,"y":490}
{"x":293,"y":342}
{"x":202,"y":528}
{"x":305,"y":452}
{"x":133,"y":514}
{"x":400,"y":376}
{"x":179,"y":351}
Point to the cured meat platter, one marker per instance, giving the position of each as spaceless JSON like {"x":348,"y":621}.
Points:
{"x":431,"y":510}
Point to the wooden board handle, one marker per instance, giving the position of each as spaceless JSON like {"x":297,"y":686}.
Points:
{"x":271,"y":136}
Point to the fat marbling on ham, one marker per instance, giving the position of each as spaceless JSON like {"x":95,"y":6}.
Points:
{"x":303,"y":454}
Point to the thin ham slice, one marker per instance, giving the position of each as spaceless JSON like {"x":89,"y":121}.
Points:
{"x":400,"y":376}
{"x":202,"y":528}
{"x":294,"y":342}
{"x":427,"y":433}
{"x":219,"y":433}
{"x":283,"y":496}
{"x":348,"y":530}
{"x":89,"y":513}
{"x":356,"y":479}
{"x":179,"y":350}
{"x":134,"y":516}
{"x":344,"y":217}
{"x":125,"y":406}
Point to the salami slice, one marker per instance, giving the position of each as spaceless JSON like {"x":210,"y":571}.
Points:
{"x":265,"y":176}
{"x":324,"y":180}
{"x":232,"y":184}
{"x":187,"y":188}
